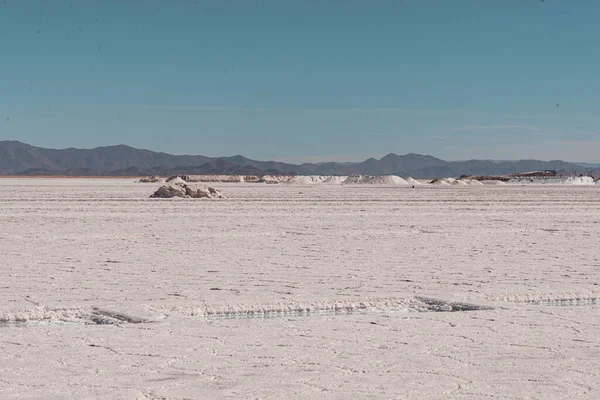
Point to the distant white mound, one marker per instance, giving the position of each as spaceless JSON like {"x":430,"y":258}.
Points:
{"x":276,"y":179}
{"x":493,"y":182}
{"x":443,"y":181}
{"x":175,"y":180}
{"x":356,"y":180}
{"x":334,"y":180}
{"x":186,"y":191}
{"x":391,"y":180}
{"x":412,"y":181}
{"x":553,"y":180}
{"x":307,"y":179}
{"x":456,"y":182}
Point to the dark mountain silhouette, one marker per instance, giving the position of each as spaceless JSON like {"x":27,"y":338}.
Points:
{"x":18,"y":158}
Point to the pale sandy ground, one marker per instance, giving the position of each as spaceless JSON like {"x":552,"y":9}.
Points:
{"x":75,"y":244}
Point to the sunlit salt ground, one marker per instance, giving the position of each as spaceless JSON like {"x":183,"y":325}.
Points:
{"x":299,"y":292}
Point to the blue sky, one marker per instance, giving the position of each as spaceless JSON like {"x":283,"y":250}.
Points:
{"x":305,"y":80}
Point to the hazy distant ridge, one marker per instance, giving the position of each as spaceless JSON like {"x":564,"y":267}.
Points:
{"x":21,"y":158}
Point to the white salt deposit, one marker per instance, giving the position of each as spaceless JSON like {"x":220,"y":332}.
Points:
{"x":176,"y":181}
{"x":412,"y":181}
{"x":334,"y":180}
{"x":307,"y":180}
{"x":78,"y":254}
{"x":391,"y":180}
{"x":443,"y":181}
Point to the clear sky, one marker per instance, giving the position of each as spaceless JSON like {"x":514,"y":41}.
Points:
{"x":305,"y":80}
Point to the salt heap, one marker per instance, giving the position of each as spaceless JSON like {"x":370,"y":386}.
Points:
{"x":307,"y":179}
{"x":276,"y":179}
{"x":442,"y":181}
{"x":186,"y":191}
{"x":456,"y":182}
{"x":412,"y":181}
{"x":334,"y":180}
{"x":175,"y":180}
{"x":391,"y":180}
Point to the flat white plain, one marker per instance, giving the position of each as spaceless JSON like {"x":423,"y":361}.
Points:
{"x":71,"y":246}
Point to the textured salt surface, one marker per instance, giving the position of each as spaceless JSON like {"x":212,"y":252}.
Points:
{"x":99,"y":249}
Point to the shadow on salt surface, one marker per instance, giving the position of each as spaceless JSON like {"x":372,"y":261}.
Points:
{"x":324,"y":308}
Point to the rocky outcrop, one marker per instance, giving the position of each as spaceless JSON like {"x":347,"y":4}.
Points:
{"x":187,"y":191}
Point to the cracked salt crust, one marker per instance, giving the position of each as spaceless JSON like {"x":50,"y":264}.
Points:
{"x":82,"y":244}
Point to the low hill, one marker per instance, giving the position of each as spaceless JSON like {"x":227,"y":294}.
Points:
{"x":120,"y":160}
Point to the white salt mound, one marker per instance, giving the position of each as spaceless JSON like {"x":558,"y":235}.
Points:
{"x":392,"y":180}
{"x":276,"y":179}
{"x":456,"y":182}
{"x":176,"y":181}
{"x":186,"y":191}
{"x":387,"y":180}
{"x":334,"y":180}
{"x":443,"y":181}
{"x":307,"y":180}
{"x":412,"y":181}
{"x":355,"y":180}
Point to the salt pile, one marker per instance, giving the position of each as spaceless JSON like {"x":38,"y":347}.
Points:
{"x":307,"y":180}
{"x":175,"y":180}
{"x":334,"y":180}
{"x":186,"y":191}
{"x":391,"y":180}
{"x":276,"y":179}
{"x":412,"y":181}
{"x":443,"y":181}
{"x":356,"y":180}
{"x":455,"y":182}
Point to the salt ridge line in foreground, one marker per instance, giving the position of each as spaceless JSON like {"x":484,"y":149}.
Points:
{"x":561,"y":297}
{"x":103,"y":316}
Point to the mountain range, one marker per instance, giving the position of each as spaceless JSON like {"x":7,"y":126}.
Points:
{"x":17,"y":158}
